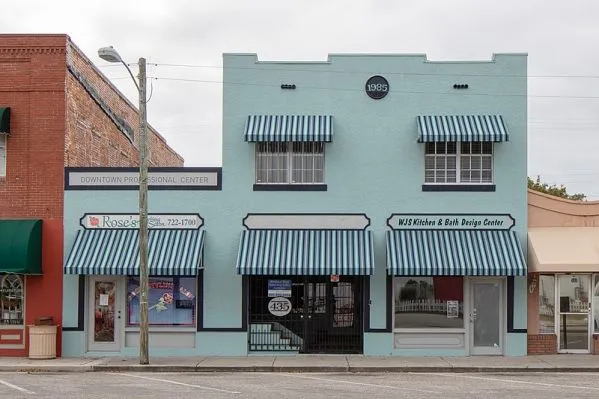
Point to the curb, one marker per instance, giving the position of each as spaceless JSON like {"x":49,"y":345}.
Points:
{"x":288,"y":369}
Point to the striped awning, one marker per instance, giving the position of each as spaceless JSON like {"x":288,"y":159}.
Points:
{"x":454,"y":253}
{"x":461,"y":128}
{"x":305,"y":252}
{"x":283,"y":128}
{"x":116,"y":252}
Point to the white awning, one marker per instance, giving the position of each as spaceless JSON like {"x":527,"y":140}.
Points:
{"x":563,"y":249}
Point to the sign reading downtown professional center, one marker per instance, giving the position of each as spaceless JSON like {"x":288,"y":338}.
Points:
{"x":455,"y":221}
{"x":95,"y":221}
{"x":128,"y":178}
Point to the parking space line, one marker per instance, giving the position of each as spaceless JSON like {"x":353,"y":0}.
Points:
{"x":357,"y":383}
{"x":8,"y":384}
{"x":546,"y":384}
{"x":177,"y":383}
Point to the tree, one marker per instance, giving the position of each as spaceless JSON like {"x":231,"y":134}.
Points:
{"x":554,"y":189}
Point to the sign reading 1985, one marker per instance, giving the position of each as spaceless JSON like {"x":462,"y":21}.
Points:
{"x":377,"y":87}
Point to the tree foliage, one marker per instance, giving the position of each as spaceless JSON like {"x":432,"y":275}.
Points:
{"x":553,"y":189}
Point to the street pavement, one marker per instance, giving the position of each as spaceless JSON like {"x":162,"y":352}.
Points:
{"x":311,"y":363}
{"x":149,"y":385}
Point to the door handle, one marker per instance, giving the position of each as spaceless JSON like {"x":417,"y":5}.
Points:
{"x":473,"y":316}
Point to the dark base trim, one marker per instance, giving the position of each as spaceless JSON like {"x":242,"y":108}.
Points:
{"x":510,"y":308}
{"x":290,"y":187}
{"x":458,"y":187}
{"x":377,"y":330}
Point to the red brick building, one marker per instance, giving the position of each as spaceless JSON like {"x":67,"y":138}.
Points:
{"x":56,"y":110}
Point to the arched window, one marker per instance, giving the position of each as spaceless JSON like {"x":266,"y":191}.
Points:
{"x":11,"y":299}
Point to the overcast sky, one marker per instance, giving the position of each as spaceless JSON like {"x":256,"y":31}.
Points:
{"x":561,"y":38}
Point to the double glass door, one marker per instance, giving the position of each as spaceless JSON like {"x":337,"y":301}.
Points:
{"x":574,"y":313}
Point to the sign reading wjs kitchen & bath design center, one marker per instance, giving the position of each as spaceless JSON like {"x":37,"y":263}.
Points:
{"x":451,"y":221}
{"x":94,"y":221}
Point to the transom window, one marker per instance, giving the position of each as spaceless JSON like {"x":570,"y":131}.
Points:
{"x":11,"y":299}
{"x":458,"y":162}
{"x":290,"y":162}
{"x":3,"y":154}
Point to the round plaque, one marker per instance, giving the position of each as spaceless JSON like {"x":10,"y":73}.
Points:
{"x":377,"y":87}
{"x":279,"y":306}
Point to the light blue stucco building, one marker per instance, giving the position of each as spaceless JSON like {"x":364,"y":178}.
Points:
{"x":368,"y":204}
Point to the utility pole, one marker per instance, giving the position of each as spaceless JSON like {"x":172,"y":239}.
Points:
{"x":143,"y":217}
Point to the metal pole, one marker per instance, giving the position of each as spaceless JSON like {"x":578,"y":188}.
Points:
{"x":143,"y":217}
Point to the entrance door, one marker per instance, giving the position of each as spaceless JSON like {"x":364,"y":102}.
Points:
{"x":333,"y":322}
{"x":486,"y":316}
{"x":574,"y":313}
{"x":105,"y":314}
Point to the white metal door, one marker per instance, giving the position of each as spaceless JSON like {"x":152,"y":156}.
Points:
{"x":486,"y":316}
{"x":104,"y":321}
{"x":574,"y":313}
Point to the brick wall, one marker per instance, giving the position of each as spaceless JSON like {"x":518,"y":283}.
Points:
{"x":32,"y":85}
{"x":102,"y":125}
{"x":542,"y":344}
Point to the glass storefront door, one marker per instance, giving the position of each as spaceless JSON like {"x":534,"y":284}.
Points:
{"x":574,"y":313}
{"x":486,"y":317}
{"x":105,"y":314}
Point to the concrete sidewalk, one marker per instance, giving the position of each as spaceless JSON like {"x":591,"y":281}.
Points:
{"x":311,"y":363}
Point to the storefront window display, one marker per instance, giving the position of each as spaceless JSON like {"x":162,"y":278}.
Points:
{"x":171,"y":301}
{"x":429,"y":302}
{"x":11,"y":299}
{"x":546,"y":304}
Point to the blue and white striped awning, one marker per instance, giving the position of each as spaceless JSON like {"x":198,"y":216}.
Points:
{"x":461,"y":128}
{"x":454,"y":253}
{"x":283,"y":128}
{"x":305,"y":252}
{"x":116,"y":252}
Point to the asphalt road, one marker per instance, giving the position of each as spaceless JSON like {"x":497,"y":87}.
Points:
{"x":295,"y":385}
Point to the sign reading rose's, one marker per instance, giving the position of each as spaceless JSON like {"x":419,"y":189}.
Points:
{"x":131,"y":221}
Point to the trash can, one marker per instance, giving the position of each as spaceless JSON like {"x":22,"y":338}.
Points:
{"x":42,"y":339}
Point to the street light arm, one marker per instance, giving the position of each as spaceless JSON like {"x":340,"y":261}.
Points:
{"x":131,"y":74}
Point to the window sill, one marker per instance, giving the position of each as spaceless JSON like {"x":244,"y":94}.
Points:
{"x":163,"y":329}
{"x":459,"y":187}
{"x":290,"y":187}
{"x":439,"y":330}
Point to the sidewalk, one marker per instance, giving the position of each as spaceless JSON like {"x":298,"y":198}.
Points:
{"x":310,"y":363}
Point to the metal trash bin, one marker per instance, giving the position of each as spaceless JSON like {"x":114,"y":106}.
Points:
{"x":42,"y":339}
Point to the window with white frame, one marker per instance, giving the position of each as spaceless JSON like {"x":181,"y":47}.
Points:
{"x":11,"y":299}
{"x":290,"y":163}
{"x":458,"y":162}
{"x":3,"y":154}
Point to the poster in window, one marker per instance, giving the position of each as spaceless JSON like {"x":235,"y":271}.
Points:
{"x":453,"y":309}
{"x":595,"y":304}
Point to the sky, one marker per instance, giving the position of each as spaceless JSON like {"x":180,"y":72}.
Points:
{"x":183,"y":42}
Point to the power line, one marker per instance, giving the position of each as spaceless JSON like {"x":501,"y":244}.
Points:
{"x":268,"y":68}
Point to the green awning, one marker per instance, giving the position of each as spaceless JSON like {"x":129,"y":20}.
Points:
{"x":5,"y":120}
{"x":21,"y":246}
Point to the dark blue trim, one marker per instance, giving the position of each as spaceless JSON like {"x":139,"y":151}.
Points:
{"x":305,"y":214}
{"x":217,"y":170}
{"x":510,"y":308}
{"x":244,"y":307}
{"x":290,"y":187}
{"x":459,"y":187}
{"x":81,"y":307}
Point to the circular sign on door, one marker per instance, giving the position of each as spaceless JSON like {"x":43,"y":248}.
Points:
{"x":279,"y":306}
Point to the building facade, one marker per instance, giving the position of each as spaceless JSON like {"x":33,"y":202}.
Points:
{"x":56,"y":110}
{"x":563,"y":280}
{"x":368,"y":204}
